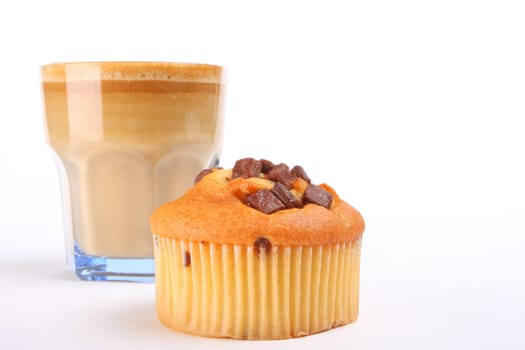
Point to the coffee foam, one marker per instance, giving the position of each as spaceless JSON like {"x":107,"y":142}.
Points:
{"x":165,"y":71}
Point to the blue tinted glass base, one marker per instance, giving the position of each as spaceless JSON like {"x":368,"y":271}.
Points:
{"x":99,"y":268}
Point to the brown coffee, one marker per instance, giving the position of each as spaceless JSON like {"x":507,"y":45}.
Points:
{"x":128,"y":137}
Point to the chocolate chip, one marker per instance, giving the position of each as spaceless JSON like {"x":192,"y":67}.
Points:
{"x":264,"y":200}
{"x":262,"y":243}
{"x":281,"y":173}
{"x":246,"y":167}
{"x":286,"y":196}
{"x":186,"y":259}
{"x":266,"y":166}
{"x":202,"y":174}
{"x":316,"y":195}
{"x":299,"y":172}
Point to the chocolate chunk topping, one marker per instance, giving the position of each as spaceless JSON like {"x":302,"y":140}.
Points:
{"x":202,"y":174}
{"x":286,"y":196}
{"x":316,"y":195}
{"x":262,"y":243}
{"x":246,"y":167}
{"x":266,"y":166}
{"x":264,"y":200}
{"x":186,"y":259}
{"x":281,"y":196}
{"x":281,"y":173}
{"x":299,"y":172}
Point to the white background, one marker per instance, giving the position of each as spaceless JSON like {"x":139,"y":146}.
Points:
{"x":412,"y":110}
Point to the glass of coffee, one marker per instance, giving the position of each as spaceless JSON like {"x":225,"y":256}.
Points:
{"x":127,"y":137}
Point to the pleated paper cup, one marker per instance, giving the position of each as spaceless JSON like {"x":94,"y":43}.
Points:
{"x":236,"y":291}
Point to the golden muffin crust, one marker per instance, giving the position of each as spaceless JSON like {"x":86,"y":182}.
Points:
{"x":214,"y":211}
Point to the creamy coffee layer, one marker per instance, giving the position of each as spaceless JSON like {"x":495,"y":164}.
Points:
{"x":129,"y":137}
{"x":181,"y":72}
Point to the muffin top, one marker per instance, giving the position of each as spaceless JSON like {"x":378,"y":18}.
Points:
{"x":258,"y":202}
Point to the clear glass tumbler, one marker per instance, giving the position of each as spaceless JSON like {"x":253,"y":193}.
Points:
{"x":127,"y":137}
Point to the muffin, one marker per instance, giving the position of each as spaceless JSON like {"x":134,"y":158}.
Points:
{"x":257,"y":252}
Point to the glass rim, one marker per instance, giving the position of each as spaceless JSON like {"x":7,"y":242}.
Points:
{"x":133,"y":70}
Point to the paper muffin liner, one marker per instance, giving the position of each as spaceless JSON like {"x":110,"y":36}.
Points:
{"x":222,"y":290}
